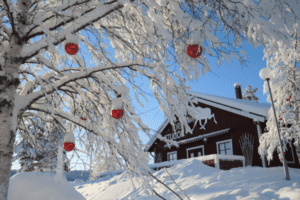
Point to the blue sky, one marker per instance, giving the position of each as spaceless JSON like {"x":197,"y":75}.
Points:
{"x":220,"y":81}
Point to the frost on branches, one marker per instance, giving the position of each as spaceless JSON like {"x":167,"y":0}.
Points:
{"x":38,"y":78}
{"x":250,"y":94}
{"x":285,"y":87}
{"x":38,"y":151}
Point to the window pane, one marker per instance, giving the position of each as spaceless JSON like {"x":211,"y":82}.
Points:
{"x":221,"y":146}
{"x":199,"y":154}
{"x":229,"y":152}
{"x":192,"y":155}
{"x":222,"y":152}
{"x":228,"y":145}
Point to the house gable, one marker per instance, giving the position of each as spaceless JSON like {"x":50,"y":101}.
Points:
{"x":225,"y":120}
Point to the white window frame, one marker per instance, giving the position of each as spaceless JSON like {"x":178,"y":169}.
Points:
{"x":172,"y":153}
{"x":217,"y":143}
{"x":191,"y":148}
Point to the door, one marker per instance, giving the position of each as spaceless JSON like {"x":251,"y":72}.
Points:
{"x":195,"y":152}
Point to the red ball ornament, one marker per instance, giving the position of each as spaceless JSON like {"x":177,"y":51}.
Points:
{"x":83,"y":118}
{"x":280,"y":118}
{"x":192,"y":51}
{"x":69,"y":146}
{"x":117,"y":114}
{"x":71,"y":48}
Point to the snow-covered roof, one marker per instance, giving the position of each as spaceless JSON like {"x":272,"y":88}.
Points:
{"x":245,"y":105}
{"x":251,"y":109}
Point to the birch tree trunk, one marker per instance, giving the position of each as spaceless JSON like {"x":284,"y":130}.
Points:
{"x":9,"y":80}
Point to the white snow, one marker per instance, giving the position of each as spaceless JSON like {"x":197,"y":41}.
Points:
{"x":250,"y":106}
{"x":40,"y":186}
{"x":236,"y":84}
{"x":197,"y":180}
{"x":69,"y":137}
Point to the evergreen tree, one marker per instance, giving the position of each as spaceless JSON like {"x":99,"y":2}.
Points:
{"x":40,"y":152}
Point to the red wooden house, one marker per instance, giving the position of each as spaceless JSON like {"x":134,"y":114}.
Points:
{"x":234,"y":129}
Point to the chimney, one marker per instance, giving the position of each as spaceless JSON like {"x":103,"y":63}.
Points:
{"x":238,"y":91}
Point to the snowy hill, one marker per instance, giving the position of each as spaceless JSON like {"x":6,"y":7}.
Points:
{"x":198,"y":181}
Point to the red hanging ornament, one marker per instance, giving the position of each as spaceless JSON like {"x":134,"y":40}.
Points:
{"x":69,"y":142}
{"x":71,"y":44}
{"x":280,"y":118}
{"x":71,"y":48}
{"x":192,"y":51}
{"x":69,"y":146}
{"x":117,"y":108}
{"x":117,"y":114}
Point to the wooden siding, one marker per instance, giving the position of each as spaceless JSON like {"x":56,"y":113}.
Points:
{"x":224,"y":120}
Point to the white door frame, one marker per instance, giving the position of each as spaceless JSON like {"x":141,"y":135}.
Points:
{"x":191,"y":148}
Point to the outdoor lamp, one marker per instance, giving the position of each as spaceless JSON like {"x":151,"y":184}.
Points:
{"x":265,"y":74}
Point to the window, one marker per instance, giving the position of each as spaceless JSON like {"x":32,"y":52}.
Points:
{"x":225,"y":147}
{"x":172,"y":156}
{"x":195,"y":151}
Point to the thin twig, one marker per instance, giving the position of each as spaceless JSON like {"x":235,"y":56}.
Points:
{"x":158,"y":195}
{"x":165,"y":186}
{"x":176,"y":184}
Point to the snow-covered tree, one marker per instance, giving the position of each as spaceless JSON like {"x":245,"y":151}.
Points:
{"x":40,"y":153}
{"x":250,"y":94}
{"x":142,"y":33}
{"x":285,"y":87}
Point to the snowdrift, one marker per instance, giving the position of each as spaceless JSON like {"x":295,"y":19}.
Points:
{"x":40,"y":186}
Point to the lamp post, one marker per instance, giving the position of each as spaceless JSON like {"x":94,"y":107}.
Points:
{"x":265,"y":74}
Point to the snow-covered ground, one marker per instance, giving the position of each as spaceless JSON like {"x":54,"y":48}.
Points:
{"x":197,"y":180}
